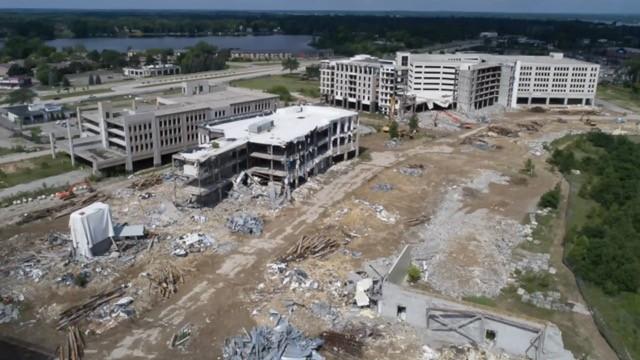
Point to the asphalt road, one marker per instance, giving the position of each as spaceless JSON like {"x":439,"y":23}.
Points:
{"x":152,"y":85}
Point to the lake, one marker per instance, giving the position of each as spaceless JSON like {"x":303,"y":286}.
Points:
{"x":289,"y":43}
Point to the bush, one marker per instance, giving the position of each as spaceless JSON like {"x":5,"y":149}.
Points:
{"x":414,"y":274}
{"x":550,"y":199}
{"x":282,"y":92}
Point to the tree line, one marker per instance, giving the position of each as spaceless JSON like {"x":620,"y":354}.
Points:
{"x":606,"y":249}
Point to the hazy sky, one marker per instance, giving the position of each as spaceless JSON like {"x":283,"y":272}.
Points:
{"x":522,"y":6}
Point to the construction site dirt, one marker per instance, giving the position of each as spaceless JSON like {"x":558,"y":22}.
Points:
{"x":467,"y":210}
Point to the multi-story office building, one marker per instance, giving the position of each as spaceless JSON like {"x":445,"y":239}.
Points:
{"x":114,"y":136}
{"x":285,"y":147}
{"x":467,"y":82}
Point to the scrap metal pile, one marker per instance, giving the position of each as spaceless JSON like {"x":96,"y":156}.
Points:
{"x":282,"y":341}
{"x":245,"y":223}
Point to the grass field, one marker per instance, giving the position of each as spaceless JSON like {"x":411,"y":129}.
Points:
{"x":33,"y":169}
{"x":293,"y":83}
{"x":620,"y":95}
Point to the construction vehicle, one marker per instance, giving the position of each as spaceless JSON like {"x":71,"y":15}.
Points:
{"x":587,"y":121}
{"x":83,"y":185}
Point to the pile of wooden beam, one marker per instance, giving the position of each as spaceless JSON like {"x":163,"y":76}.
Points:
{"x":310,"y":246}
{"x":167,"y":280}
{"x":73,"y":348}
{"x":146,"y":182}
{"x":85,"y":201}
{"x":417,"y":220}
{"x":79,"y":312}
{"x":502,"y":131}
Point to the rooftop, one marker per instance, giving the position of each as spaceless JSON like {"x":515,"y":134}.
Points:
{"x":289,"y":124}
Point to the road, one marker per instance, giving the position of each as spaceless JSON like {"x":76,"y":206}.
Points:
{"x":52,"y":181}
{"x":146,"y":86}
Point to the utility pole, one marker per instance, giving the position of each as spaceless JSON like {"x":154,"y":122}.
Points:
{"x":52,"y":142}
{"x":71,"y":154}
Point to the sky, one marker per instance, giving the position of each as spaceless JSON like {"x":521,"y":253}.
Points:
{"x":519,"y":6}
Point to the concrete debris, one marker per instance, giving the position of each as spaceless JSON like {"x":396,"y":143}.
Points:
{"x":10,"y":307}
{"x":361,"y":296}
{"x":164,"y":215}
{"x":325,"y":312}
{"x":538,"y":146}
{"x":191,"y":243}
{"x":412,"y":170}
{"x":282,"y":341}
{"x":502,"y":131}
{"x":466,"y":352}
{"x":550,"y":300}
{"x":299,"y":279}
{"x":380,"y":211}
{"x":245,"y":223}
{"x":364,"y":130}
{"x":181,"y":338}
{"x":526,"y":261}
{"x":488,"y":237}
{"x":382,"y":187}
{"x":393,"y":143}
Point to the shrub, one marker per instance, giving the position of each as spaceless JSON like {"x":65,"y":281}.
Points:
{"x":550,"y":199}
{"x":414,"y":273}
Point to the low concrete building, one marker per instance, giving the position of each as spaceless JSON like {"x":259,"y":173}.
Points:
{"x":449,"y":322}
{"x":35,"y":113}
{"x":113,"y":137}
{"x":15,"y":82}
{"x":248,"y":55}
{"x":285,"y":148}
{"x":151,"y":70}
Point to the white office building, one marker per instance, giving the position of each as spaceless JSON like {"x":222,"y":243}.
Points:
{"x":467,"y":82}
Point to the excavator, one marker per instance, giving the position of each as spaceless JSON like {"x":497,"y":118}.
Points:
{"x":85,"y":185}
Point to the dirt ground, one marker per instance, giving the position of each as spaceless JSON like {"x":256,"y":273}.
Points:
{"x":228,"y":290}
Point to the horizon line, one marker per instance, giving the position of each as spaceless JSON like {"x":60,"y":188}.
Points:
{"x":315,"y":10}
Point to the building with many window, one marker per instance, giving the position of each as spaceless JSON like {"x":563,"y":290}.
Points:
{"x":114,"y":136}
{"x":467,"y":82}
{"x":151,"y":70}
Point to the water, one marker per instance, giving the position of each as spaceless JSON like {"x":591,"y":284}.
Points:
{"x":289,"y":43}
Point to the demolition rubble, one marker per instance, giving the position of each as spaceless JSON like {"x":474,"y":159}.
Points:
{"x":270,"y":241}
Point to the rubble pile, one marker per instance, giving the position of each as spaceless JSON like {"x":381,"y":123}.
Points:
{"x":502,"y":131}
{"x":191,"y":243}
{"x":550,"y":300}
{"x":380,"y":211}
{"x":10,"y":307}
{"x":528,"y":261}
{"x":146,"y":182}
{"x":382,"y":187}
{"x":165,"y":280}
{"x":468,"y":253}
{"x":282,"y":341}
{"x":393,"y":143}
{"x":412,"y":170}
{"x":76,"y":313}
{"x":245,"y":223}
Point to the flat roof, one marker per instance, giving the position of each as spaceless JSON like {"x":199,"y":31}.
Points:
{"x":474,"y":58}
{"x":289,"y":124}
{"x":215,"y":99}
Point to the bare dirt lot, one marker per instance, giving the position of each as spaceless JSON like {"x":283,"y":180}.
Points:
{"x":471,"y":194}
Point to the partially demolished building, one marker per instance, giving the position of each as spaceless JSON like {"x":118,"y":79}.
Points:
{"x":114,"y":136}
{"x":449,"y":322}
{"x":284,"y":148}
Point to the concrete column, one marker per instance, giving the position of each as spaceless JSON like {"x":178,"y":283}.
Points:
{"x":79,"y":120}
{"x":357,"y":123}
{"x":70,"y":138}
{"x":52,"y":143}
{"x":103,"y":109}
{"x":155,"y":138}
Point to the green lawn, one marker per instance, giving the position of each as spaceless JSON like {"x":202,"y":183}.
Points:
{"x":620,"y":95}
{"x":292,"y":82}
{"x":34,"y":169}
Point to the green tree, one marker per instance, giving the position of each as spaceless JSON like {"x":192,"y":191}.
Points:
{"x":312,"y":71}
{"x":393,"y":130}
{"x":17,"y":70}
{"x":550,"y":199}
{"x":413,"y":123}
{"x":21,"y":96}
{"x":202,"y":57}
{"x":282,"y":92}
{"x":36,"y":133}
{"x":65,"y":82}
{"x":290,"y":64}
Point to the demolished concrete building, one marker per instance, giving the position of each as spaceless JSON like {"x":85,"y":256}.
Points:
{"x":285,"y":147}
{"x":454,"y":323}
{"x":122,"y":136}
